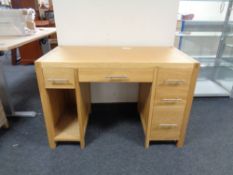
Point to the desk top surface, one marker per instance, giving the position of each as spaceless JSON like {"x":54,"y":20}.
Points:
{"x":11,"y":42}
{"x":95,"y":56}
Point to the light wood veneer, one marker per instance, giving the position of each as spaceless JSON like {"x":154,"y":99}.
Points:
{"x":166,"y":77}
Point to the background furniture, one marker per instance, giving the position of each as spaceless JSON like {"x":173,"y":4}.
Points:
{"x":52,"y":38}
{"x":9,"y":43}
{"x":18,"y":4}
{"x":25,"y":44}
{"x":209,"y":39}
{"x":3,"y":119}
{"x":30,"y":52}
{"x":25,"y":56}
{"x":166,"y":80}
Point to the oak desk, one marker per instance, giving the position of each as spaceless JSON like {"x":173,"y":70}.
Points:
{"x":166,"y":77}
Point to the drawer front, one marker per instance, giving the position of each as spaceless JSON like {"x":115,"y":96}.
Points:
{"x":166,"y":122}
{"x":175,"y":97}
{"x":174,"y":77}
{"x":116,"y":75}
{"x":168,"y":114}
{"x":59,"y":78}
{"x":165,"y":132}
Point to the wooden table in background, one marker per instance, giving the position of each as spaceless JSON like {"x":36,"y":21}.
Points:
{"x":30,"y":43}
{"x":11,"y":43}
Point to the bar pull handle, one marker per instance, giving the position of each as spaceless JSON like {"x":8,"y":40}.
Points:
{"x":117,"y":77}
{"x":173,"y":82}
{"x":59,"y":81}
{"x":171,"y":100}
{"x":168,"y":126}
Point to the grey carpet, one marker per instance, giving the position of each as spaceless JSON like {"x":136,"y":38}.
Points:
{"x":114,"y":140}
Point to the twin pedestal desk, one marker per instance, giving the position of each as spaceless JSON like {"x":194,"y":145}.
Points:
{"x":166,"y":78}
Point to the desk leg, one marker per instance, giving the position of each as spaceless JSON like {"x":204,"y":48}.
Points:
{"x":83,"y":106}
{"x":145,"y":106}
{"x":14,"y":56}
{"x":4,"y":94}
{"x":3,"y":119}
{"x":7,"y":103}
{"x":6,"y":126}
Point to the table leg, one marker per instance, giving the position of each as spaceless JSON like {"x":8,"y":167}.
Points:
{"x":6,"y":101}
{"x":14,"y":56}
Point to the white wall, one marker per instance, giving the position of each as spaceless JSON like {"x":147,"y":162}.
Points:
{"x":116,"y":22}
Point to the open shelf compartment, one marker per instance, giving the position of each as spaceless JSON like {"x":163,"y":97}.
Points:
{"x":65,"y":116}
{"x":67,"y":128}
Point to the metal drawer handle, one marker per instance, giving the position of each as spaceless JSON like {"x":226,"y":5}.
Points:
{"x":118,"y":77}
{"x":59,"y":81}
{"x":171,"y":100}
{"x":174,"y":82}
{"x":168,"y":125}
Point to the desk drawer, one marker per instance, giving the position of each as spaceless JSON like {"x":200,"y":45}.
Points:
{"x":174,"y":77}
{"x":174,"y":97}
{"x":59,"y":78}
{"x":166,"y":122}
{"x":168,"y":115}
{"x":165,"y":132}
{"x":116,"y":75}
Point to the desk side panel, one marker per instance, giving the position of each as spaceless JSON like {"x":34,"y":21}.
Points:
{"x":188,"y":108}
{"x":46,"y":106}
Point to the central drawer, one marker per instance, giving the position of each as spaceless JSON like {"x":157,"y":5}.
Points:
{"x":116,"y":75}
